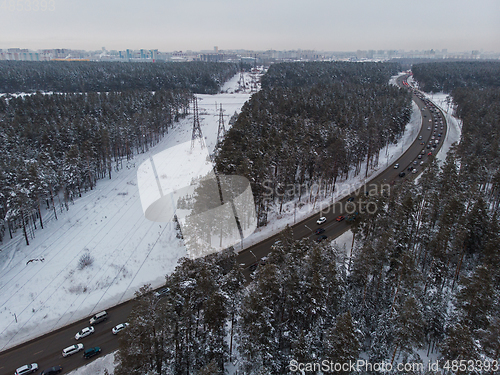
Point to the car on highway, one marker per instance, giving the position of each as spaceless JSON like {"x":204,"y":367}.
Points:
{"x":352,"y":216}
{"x":396,"y":166}
{"x":119,"y":327}
{"x":429,"y":128}
{"x":253,"y":267}
{"x":420,"y":137}
{"x":84,"y":333}
{"x":321,"y":220}
{"x":70,"y":350}
{"x":52,"y":371}
{"x":340,"y":218}
{"x":420,"y":156}
{"x":162,"y":292}
{"x":89,"y":353}
{"x":402,"y":174}
{"x":98,"y":318}
{"x":429,"y":154}
{"x":321,"y":238}
{"x":414,"y":171}
{"x":415,"y":162}
{"x":422,"y":162}
{"x":350,"y":199}
{"x":27,"y":369}
{"x":319,"y":231}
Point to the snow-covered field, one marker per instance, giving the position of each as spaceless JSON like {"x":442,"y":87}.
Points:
{"x":42,"y":286}
{"x":97,"y":366}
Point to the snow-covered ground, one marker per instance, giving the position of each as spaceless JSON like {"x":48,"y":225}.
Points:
{"x":42,"y":286}
{"x":97,"y":366}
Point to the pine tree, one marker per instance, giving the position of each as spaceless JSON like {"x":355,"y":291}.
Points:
{"x":342,"y":342}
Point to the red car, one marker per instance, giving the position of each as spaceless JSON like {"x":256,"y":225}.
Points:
{"x":340,"y":218}
{"x":429,"y":154}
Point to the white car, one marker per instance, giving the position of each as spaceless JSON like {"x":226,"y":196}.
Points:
{"x":321,"y":220}
{"x":72,"y":350}
{"x":396,"y":166}
{"x":420,"y":137}
{"x":84,"y":333}
{"x":119,"y":328}
{"x":414,"y":170}
{"x":27,"y":369}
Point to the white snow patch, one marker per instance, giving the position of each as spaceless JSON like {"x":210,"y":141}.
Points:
{"x":42,"y":288}
{"x":97,"y":366}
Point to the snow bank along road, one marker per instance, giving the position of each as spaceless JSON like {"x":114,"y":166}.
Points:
{"x":46,"y":350}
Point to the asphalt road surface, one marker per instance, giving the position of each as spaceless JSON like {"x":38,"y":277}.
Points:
{"x":46,"y":350}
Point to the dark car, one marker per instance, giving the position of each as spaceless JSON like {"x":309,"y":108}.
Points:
{"x":261,"y":262}
{"x":319,"y":231}
{"x":352,"y":217}
{"x":253,"y":267}
{"x":52,"y":370}
{"x":321,"y":238}
{"x":402,"y":174}
{"x":350,"y":199}
{"x":91,"y":352}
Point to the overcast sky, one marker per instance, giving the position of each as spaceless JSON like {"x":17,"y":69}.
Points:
{"x":329,"y":25}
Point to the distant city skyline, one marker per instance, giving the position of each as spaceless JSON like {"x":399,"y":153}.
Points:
{"x":321,"y":25}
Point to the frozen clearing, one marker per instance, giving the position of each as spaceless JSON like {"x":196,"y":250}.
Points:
{"x":128,"y":250}
{"x":42,"y":286}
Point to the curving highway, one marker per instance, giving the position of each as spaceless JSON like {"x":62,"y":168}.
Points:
{"x":46,"y":350}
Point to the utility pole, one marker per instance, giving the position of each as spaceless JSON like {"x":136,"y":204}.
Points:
{"x":196,"y":126}
{"x":222,"y":130}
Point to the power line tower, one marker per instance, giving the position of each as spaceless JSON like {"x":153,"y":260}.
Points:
{"x":242,"y":80}
{"x":222,"y":130}
{"x":196,"y":125}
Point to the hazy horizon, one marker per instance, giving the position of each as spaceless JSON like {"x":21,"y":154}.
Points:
{"x":322,"y":25}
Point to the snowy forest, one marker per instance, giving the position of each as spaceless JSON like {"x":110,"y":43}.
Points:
{"x":55,"y":146}
{"x":310,"y":124}
{"x":422,"y":281}
{"x":87,"y":76}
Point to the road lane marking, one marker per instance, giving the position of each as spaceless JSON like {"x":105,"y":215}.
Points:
{"x":38,"y":352}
